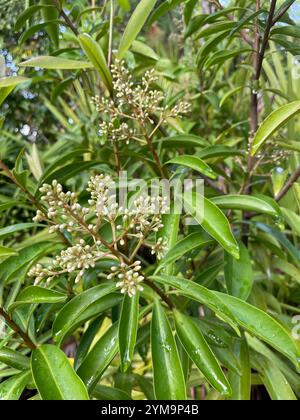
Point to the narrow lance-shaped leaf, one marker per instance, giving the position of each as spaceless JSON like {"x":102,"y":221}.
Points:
{"x":200,"y":353}
{"x":55,"y":63}
{"x":83,"y":307}
{"x":211,"y":218}
{"x":12,"y":388}
{"x":135,"y":24}
{"x":195,"y":163}
{"x":193,"y":241}
{"x":241,"y":383}
{"x":200,"y":294}
{"x":239,"y":274}
{"x":54,"y":376}
{"x":99,"y":358}
{"x":93,"y":51}
{"x":36,"y":294}
{"x":14,"y":359}
{"x":245,"y":202}
{"x":272,"y":123}
{"x":128,"y":327}
{"x":169,"y":383}
{"x":263,"y":326}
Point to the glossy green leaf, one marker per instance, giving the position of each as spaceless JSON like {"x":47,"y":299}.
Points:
{"x":93,"y":51}
{"x":14,"y":359}
{"x":128,"y":327}
{"x":125,"y":4}
{"x":9,"y":230}
{"x":12,"y":388}
{"x":213,"y":221}
{"x":87,"y":340}
{"x":195,"y":163}
{"x":241,"y":383}
{"x":263,"y":326}
{"x":48,"y":14}
{"x":182,"y":140}
{"x":169,"y":383}
{"x":193,"y":241}
{"x":28,"y":13}
{"x":107,"y":393}
{"x":239,"y":274}
{"x":135,"y":24}
{"x":273,"y":123}
{"x":199,"y":293}
{"x":55,"y":63}
{"x":7,"y":252}
{"x":99,"y":358}
{"x":162,"y":9}
{"x":200,"y":353}
{"x":83,"y":307}
{"x":12,"y":81}
{"x":54,"y":376}
{"x":218,"y":151}
{"x":274,"y":380}
{"x":36,"y":294}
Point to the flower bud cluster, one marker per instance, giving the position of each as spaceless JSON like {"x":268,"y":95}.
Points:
{"x":75,"y":259}
{"x":134,"y":103}
{"x":128,"y":278}
{"x":160,"y":248}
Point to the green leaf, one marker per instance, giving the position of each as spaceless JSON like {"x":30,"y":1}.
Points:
{"x":86,"y":340}
{"x":163,"y":9}
{"x":182,"y":140}
{"x":192,"y":241}
{"x":125,"y":4}
{"x":93,"y":51}
{"x":12,"y":81}
{"x":218,"y":151}
{"x":83,"y":307}
{"x":107,"y":393}
{"x":213,"y":221}
{"x":10,"y":230}
{"x":201,"y":354}
{"x":54,"y":376}
{"x":44,"y":26}
{"x":128,"y":327}
{"x":169,"y":383}
{"x":195,"y":163}
{"x":12,"y":388}
{"x":274,"y":380}
{"x":273,"y":123}
{"x":28,"y":13}
{"x":263,"y":326}
{"x":241,"y":383}
{"x":55,"y":63}
{"x":50,"y":14}
{"x":99,"y":358}
{"x":14,"y":359}
{"x":36,"y":294}
{"x":199,"y":293}
{"x":7,"y":252}
{"x":135,"y":24}
{"x":238,"y":274}
{"x":144,"y":50}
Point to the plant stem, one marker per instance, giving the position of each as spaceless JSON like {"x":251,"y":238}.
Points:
{"x":294,"y":177}
{"x":111,"y":27}
{"x":27,"y":340}
{"x":156,"y":289}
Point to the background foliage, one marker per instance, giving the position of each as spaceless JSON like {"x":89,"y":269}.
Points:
{"x":207,"y":325}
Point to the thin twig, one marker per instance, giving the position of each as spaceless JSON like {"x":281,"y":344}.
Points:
{"x":25,"y":337}
{"x":294,"y":177}
{"x":156,"y":289}
{"x":111,"y":27}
